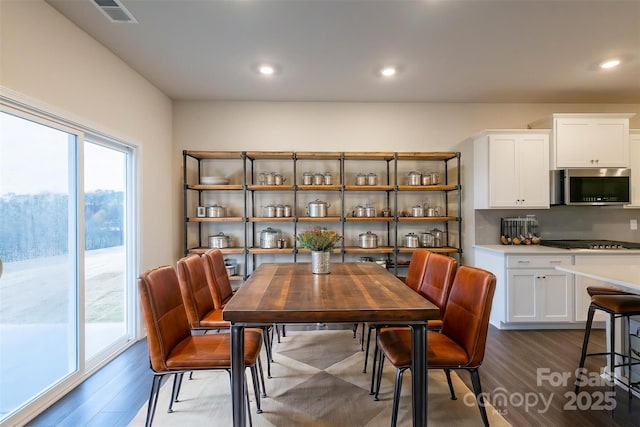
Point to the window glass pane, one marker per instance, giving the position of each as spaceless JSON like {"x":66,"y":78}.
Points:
{"x":38,"y":286}
{"x":105,"y":255}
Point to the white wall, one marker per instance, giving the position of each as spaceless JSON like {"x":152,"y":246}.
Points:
{"x":48,"y":61}
{"x":327,"y":126}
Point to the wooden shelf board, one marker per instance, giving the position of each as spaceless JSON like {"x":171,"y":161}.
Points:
{"x":270,"y":251}
{"x":215,"y":154}
{"x":368,"y":187}
{"x":318,"y":155}
{"x":442,"y":155}
{"x":444,"y":249}
{"x":369,"y":155}
{"x":256,"y":187}
{"x":271,"y":219}
{"x":202,"y":250}
{"x":332,"y":187}
{"x":256,"y":155}
{"x":222,"y":219}
{"x":319,"y":219}
{"x":215,"y":187}
{"x":427,"y":187}
{"x":359,"y":250}
{"x":427,"y":219}
{"x":369,"y":219}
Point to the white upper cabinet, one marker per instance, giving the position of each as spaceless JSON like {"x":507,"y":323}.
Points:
{"x":588,"y":140}
{"x":511,"y":169}
{"x":634,"y":164}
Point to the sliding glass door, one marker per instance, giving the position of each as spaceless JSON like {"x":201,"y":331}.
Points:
{"x":67,"y":263}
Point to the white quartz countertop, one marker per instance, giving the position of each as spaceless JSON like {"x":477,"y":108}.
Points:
{"x":626,"y":276}
{"x":545,"y":250}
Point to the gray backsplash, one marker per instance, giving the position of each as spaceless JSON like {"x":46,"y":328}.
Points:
{"x":564,"y":222}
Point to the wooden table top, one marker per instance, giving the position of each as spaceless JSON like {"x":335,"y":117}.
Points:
{"x":352,"y":292}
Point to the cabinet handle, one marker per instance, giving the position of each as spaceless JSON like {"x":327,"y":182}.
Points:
{"x":555,"y":262}
{"x":523,"y":262}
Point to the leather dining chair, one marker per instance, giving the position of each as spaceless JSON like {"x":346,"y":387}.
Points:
{"x":201,"y":311}
{"x":460,"y":344}
{"x":413,"y":279}
{"x":173,"y":349}
{"x":218,"y":281}
{"x":435,"y":287}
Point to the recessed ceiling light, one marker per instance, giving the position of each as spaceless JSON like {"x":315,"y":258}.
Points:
{"x":266,"y":69}
{"x":610,"y":63}
{"x":388,"y":71}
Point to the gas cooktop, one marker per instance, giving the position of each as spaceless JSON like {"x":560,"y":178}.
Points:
{"x":589,"y":244}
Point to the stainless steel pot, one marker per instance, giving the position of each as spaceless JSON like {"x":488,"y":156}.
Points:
{"x":439,"y":238}
{"x":279,"y":211}
{"x":417,"y":211}
{"x":426,"y":240}
{"x":414,"y":178}
{"x":278,"y":179}
{"x":318,"y":179}
{"x":426,"y":179}
{"x":359,"y":211}
{"x":269,"y":211}
{"x":368,"y":240}
{"x":307,"y":178}
{"x":287,"y":211}
{"x":369,"y":212}
{"x":269,"y":238}
{"x":317,"y":208}
{"x":216,"y":211}
{"x":411,"y":240}
{"x":219,"y":241}
{"x":372,"y":179}
{"x":361,"y":179}
{"x":328,"y":178}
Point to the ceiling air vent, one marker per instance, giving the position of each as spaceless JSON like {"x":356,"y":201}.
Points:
{"x":115,"y":11}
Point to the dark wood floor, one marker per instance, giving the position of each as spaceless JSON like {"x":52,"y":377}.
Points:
{"x":114,"y":394}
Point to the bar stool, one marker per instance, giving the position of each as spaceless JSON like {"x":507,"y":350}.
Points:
{"x":619,"y":304}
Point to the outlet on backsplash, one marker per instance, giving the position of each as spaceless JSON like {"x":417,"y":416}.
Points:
{"x":633,"y":224}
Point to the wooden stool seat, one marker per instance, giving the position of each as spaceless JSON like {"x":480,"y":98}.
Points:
{"x":627,"y":305}
{"x":605,"y":290}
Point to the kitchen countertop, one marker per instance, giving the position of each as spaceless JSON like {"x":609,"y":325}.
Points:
{"x":626,"y":276}
{"x":546,"y":250}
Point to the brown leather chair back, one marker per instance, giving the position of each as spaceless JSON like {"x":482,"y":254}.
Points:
{"x":417,"y":267}
{"x":437,"y":280}
{"x":194,"y":287}
{"x":466,"y":317}
{"x":217,"y":277}
{"x":164,"y":314}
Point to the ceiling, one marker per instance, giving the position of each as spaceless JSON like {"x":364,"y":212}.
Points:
{"x":330,"y":50}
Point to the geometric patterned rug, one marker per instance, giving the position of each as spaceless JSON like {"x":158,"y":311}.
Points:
{"x":317,"y":380}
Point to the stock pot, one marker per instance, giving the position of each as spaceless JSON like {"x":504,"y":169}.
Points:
{"x":219,"y":241}
{"x":269,"y":238}
{"x":411,"y":240}
{"x":368,"y":240}
{"x":317,"y":208}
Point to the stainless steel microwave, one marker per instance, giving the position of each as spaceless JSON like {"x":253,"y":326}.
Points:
{"x":597,"y":187}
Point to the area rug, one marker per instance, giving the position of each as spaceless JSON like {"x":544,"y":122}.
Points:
{"x":317,"y":380}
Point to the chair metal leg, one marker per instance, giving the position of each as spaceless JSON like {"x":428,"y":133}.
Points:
{"x":366,"y":352}
{"x":267,"y":346}
{"x":447,"y":372}
{"x":153,"y":398}
{"x":256,"y":388}
{"x":380,"y":368}
{"x":585,"y":344}
{"x":373,"y":365}
{"x":175,"y":390}
{"x":264,"y":388}
{"x":397,"y":388}
{"x":477,"y":389}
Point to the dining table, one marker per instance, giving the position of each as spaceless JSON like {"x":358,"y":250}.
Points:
{"x":352,"y":292}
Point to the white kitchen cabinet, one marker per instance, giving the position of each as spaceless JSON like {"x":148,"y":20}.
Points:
{"x":634,"y":164}
{"x":588,"y":140}
{"x":582,"y":299}
{"x":511,"y":169}
{"x":541,"y":294}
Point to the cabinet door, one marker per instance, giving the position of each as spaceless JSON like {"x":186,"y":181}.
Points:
{"x":503,"y":171}
{"x":634,"y":159}
{"x":522,"y":296}
{"x":533,"y":171}
{"x":556,"y":296}
{"x":591,"y":142}
{"x":539,"y":296}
